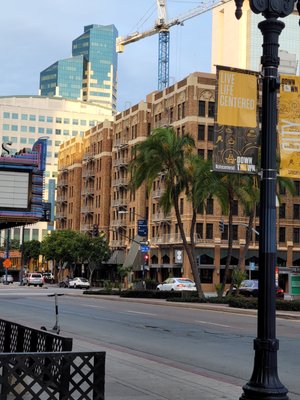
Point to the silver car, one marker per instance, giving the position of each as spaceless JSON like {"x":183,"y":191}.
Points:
{"x":34,"y":278}
{"x":177,"y":284}
{"x":7,"y":279}
{"x":81,"y":283}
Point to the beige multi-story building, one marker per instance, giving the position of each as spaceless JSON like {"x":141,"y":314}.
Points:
{"x":108,"y":200}
{"x":238,"y":43}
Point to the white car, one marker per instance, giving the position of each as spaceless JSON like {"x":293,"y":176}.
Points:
{"x":81,"y":283}
{"x":177,"y":284}
{"x":7,"y":279}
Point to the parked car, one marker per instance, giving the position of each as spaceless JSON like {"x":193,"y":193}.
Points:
{"x":81,"y":283}
{"x":7,"y":279}
{"x":48,"y":277}
{"x":249,"y":288}
{"x":177,"y":284}
{"x":34,"y":278}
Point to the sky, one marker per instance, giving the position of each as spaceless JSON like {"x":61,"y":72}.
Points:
{"x":35,"y":34}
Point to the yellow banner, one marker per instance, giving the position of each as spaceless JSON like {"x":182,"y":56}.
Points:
{"x":237,"y":99}
{"x":289,"y":126}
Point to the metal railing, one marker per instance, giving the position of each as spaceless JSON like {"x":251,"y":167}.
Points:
{"x":61,"y":376}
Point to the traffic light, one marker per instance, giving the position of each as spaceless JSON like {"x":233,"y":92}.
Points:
{"x":221,"y":226}
{"x":95,"y":232}
{"x":146,"y":259}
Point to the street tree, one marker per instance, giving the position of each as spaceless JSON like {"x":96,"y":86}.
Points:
{"x":60,"y":246}
{"x":166,"y":154}
{"x":92,"y":250}
{"x":31,"y":251}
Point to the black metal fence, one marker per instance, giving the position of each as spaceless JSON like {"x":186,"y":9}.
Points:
{"x":38,"y":365}
{"x":21,"y":339}
{"x":52,"y":376}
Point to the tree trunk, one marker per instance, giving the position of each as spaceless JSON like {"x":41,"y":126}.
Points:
{"x":189,"y":251}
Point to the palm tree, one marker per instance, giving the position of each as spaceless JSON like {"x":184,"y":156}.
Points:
{"x":170,"y":155}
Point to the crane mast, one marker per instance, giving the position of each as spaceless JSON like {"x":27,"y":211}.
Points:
{"x":162,"y":27}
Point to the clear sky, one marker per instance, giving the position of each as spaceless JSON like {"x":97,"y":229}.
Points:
{"x":34,"y":34}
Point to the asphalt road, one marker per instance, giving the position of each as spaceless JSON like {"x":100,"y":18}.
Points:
{"x":156,"y":351}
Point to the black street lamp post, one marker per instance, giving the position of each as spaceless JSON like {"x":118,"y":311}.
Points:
{"x":264,"y":382}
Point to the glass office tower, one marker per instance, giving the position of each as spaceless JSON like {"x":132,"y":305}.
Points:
{"x":91,"y":73}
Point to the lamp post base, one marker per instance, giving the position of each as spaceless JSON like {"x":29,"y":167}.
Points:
{"x":259,"y":393}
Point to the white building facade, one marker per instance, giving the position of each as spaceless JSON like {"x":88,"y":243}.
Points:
{"x":24,"y":119}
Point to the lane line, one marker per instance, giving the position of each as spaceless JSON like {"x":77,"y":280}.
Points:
{"x":213,"y":323}
{"x":137,"y":312}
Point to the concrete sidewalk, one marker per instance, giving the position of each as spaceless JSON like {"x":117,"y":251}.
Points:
{"x":130,"y":376}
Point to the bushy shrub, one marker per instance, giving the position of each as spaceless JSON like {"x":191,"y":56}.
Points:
{"x":242,"y":302}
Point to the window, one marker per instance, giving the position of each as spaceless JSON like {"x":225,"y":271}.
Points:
{"x":209,"y":154}
{"x":201,"y":153}
{"x":49,"y":131}
{"x":296,"y":211}
{"x":211,"y":109}
{"x":181,"y":206}
{"x":201,"y":130}
{"x":23,"y":128}
{"x":206,"y":275}
{"x":66,"y":120}
{"x":282,"y":210}
{"x":201,"y":108}
{"x":234,"y":232}
{"x":14,"y":128}
{"x":41,"y":130}
{"x":15,"y":116}
{"x":224,"y":235}
{"x":32,"y":129}
{"x":235,"y":207}
{"x":57,"y":131}
{"x":296,"y":235}
{"x":24,"y":117}
{"x":282,"y":190}
{"x":210,"y":133}
{"x":35,"y":234}
{"x":75,"y":121}
{"x":282,"y":234}
{"x":50,"y":119}
{"x":199,"y":230}
{"x":297,"y":187}
{"x":6,"y":115}
{"x":209,"y":231}
{"x":210,"y":206}
{"x":58,"y":120}
{"x":23,"y":140}
{"x":42,"y":118}
{"x":5,"y":127}
{"x":32,"y":117}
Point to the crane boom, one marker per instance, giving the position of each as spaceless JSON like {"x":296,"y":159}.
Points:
{"x":162,"y":27}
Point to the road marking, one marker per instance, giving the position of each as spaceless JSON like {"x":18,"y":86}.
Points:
{"x":139,"y":312}
{"x":213,"y":323}
{"x":93,"y":306}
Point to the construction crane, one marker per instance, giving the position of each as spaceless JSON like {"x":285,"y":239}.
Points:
{"x":162,"y":27}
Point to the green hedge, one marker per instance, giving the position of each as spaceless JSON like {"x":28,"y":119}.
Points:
{"x":283,"y":305}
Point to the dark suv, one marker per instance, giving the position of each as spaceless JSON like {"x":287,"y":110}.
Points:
{"x":249,"y":288}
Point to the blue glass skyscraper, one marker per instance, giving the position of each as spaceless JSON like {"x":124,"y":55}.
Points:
{"x":91,"y":73}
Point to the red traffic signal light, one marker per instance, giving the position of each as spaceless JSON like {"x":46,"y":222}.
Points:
{"x":146,"y":258}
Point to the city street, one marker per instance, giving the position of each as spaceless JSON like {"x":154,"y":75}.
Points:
{"x":156,"y":351}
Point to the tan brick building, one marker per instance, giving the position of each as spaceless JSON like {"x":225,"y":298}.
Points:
{"x":100,"y":169}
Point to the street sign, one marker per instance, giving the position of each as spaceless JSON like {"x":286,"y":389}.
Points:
{"x":7,"y":263}
{"x":144,"y":248}
{"x":142,"y":227}
{"x":252,"y":266}
{"x":294,"y":284}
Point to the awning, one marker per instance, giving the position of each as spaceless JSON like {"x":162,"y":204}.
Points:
{"x":117,"y":257}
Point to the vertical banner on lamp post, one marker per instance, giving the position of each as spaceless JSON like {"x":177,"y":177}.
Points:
{"x":236,"y":133}
{"x":289,"y":126}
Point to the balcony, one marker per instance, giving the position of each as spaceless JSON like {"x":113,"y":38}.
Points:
{"x":121,"y":142}
{"x":60,"y":215}
{"x":117,"y":243}
{"x":156,"y":194}
{"x":88,"y":174}
{"x":160,"y":217}
{"x":88,"y":209}
{"x":118,"y":223}
{"x":62,"y":199}
{"x":88,"y":191}
{"x":120,"y":182}
{"x":120,"y":162}
{"x":175,"y":238}
{"x":119,"y":202}
{"x":62,"y":182}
